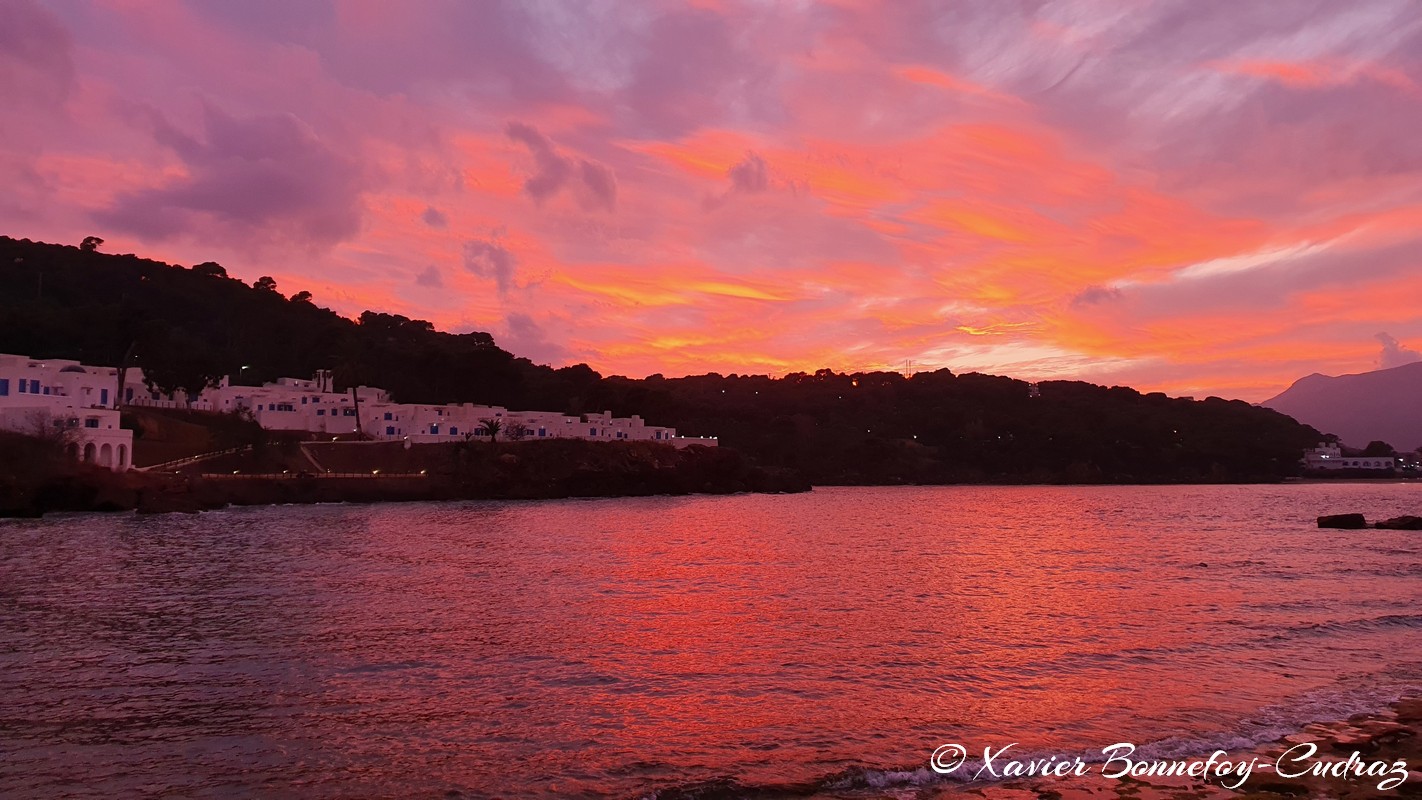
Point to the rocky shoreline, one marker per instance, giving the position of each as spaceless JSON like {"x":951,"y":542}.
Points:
{"x":387,"y":472}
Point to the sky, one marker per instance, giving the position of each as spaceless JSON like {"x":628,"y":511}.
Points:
{"x":1192,"y":196}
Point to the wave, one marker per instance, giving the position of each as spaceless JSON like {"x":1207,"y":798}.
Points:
{"x":1265,"y":725}
{"x":1364,"y":625}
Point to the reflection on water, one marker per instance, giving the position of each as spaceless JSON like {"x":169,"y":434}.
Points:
{"x":608,"y":648}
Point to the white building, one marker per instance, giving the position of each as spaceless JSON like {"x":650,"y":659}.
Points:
{"x":293,"y":404}
{"x":315,"y":406}
{"x":1329,"y":455}
{"x":67,"y":399}
{"x":79,"y":401}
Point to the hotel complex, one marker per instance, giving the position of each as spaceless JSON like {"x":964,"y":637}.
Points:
{"x":80,"y":403}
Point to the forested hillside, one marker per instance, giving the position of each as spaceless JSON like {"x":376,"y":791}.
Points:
{"x":184,"y":326}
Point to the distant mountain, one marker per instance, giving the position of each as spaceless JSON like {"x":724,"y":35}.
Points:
{"x":1385,"y":405}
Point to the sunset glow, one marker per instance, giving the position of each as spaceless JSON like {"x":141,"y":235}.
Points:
{"x":1193,"y":197}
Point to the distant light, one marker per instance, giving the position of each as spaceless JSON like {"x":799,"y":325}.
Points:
{"x":375,"y":472}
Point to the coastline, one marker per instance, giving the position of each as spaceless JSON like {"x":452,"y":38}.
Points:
{"x":160,"y":492}
{"x":381,"y":474}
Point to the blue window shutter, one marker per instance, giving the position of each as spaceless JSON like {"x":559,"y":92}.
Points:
{"x":4,"y":387}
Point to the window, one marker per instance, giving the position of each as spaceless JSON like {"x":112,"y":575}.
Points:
{"x":271,"y":406}
{"x":4,"y":387}
{"x":91,"y":422}
{"x":320,"y":412}
{"x":592,"y":431}
{"x":389,"y":430}
{"x":46,"y":390}
{"x":24,"y":386}
{"x":453,"y":431}
{"x":348,"y":412}
{"x":315,"y":399}
{"x":542,"y":431}
{"x":387,"y":415}
{"x":303,"y":400}
{"x":34,"y":387}
{"x":434,"y":429}
{"x":103,"y":397}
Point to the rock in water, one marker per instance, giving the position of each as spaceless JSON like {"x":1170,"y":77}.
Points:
{"x":1345,"y":521}
{"x":1402,"y":523}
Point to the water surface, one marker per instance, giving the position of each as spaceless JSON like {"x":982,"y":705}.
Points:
{"x":612,"y":648}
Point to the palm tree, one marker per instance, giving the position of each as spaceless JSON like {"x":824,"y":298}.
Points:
{"x":492,"y":428}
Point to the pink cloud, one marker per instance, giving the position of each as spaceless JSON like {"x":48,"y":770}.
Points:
{"x":1202,"y":195}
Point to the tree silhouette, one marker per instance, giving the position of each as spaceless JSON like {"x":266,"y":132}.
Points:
{"x":492,"y":427}
{"x":90,"y":244}
{"x":935,"y":427}
{"x":1377,"y":448}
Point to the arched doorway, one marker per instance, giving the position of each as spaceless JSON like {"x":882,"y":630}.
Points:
{"x":91,"y":453}
{"x":122,"y":458}
{"x":106,"y":455}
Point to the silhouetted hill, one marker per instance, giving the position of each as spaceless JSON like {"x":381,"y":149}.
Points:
{"x":184,"y":326}
{"x":1383,"y":405}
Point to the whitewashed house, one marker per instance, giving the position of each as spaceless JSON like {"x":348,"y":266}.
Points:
{"x":314,"y":405}
{"x":79,"y":400}
{"x":66,"y":399}
{"x":294,"y":404}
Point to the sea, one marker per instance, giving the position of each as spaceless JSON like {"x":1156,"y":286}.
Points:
{"x":817,"y":645}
